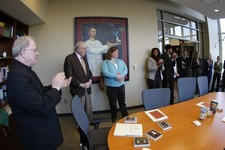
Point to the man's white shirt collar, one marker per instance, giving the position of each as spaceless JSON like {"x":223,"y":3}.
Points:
{"x":78,"y":55}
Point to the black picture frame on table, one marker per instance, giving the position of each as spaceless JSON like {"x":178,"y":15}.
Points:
{"x":109,"y":29}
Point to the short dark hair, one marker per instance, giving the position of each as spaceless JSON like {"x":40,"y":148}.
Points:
{"x":155,"y":48}
{"x":168,"y":46}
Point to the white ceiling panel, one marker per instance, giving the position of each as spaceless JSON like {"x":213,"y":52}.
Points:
{"x":206,"y":7}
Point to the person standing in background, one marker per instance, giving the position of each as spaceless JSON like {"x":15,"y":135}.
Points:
{"x":208,"y":66}
{"x":154,"y":69}
{"x":76,"y":66}
{"x":183,"y":64}
{"x":32,"y":104}
{"x":114,"y":70}
{"x":217,"y":74}
{"x":175,"y":68}
{"x":168,"y":73}
{"x":196,"y":65}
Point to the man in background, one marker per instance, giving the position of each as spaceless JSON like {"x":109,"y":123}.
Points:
{"x":183,"y":64}
{"x":168,"y":73}
{"x":76,"y":66}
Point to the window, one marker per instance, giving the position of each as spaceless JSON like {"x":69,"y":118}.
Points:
{"x":160,"y":35}
{"x":168,"y":17}
{"x":179,"y":31}
{"x":222,"y":29}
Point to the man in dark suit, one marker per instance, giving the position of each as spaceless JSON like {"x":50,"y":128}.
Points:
{"x":183,"y":64}
{"x":76,"y":66}
{"x":168,"y":73}
{"x":32,"y":104}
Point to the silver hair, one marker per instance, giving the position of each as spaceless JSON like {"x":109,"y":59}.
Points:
{"x":79,"y":44}
{"x":20,"y":44}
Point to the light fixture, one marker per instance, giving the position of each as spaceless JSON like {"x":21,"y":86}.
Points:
{"x":216,"y":10}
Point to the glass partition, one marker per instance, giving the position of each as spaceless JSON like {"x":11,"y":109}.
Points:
{"x":172,"y":27}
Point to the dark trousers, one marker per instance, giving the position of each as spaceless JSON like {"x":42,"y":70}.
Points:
{"x":216,"y":78}
{"x":156,"y":83}
{"x":114,"y":94}
{"x":152,"y":84}
{"x":168,"y":81}
{"x":209,"y":75}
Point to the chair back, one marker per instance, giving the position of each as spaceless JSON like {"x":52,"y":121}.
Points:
{"x":203,"y":86}
{"x":81,"y":120}
{"x":186,"y":88}
{"x":155,"y":98}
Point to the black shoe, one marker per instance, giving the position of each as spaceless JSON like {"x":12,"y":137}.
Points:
{"x":125,"y":115}
{"x":171,"y":102}
{"x":113,"y":119}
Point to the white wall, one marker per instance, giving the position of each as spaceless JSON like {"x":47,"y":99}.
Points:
{"x":39,"y":7}
{"x":55,"y":41}
{"x":213,"y":38}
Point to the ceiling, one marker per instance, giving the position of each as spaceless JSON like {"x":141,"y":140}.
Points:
{"x":17,"y":9}
{"x":205,"y":7}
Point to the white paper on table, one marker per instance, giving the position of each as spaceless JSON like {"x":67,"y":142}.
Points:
{"x":133,"y":130}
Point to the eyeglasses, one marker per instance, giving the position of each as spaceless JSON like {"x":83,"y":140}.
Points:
{"x":34,"y":50}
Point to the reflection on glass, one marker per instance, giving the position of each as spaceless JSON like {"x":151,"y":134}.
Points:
{"x":160,"y":36}
{"x":159,"y":29}
{"x":193,"y":24}
{"x":179,"y":20}
{"x":160,"y":44}
{"x":194,"y":35}
{"x":178,"y":31}
{"x":187,"y":32}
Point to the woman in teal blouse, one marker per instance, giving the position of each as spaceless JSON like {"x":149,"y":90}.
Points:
{"x":114,"y":70}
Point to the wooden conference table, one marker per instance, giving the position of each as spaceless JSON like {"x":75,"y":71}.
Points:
{"x":184,"y":135}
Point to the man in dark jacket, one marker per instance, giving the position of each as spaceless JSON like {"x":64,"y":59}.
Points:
{"x":168,"y":73}
{"x":183,"y":64}
{"x":76,"y":66}
{"x":32,"y":104}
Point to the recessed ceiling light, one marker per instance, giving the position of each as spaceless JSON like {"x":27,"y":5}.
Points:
{"x":216,"y":10}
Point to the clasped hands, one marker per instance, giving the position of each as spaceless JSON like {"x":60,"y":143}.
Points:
{"x":160,"y":63}
{"x":119,"y":77}
{"x":59,"y":81}
{"x":86,"y":85}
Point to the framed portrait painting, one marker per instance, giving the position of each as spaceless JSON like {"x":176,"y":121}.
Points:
{"x":100,"y":33}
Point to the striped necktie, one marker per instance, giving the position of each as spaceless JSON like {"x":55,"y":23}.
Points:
{"x":83,"y":65}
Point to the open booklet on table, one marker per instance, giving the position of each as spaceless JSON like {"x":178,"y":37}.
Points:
{"x":156,"y":115}
{"x":132,"y":130}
